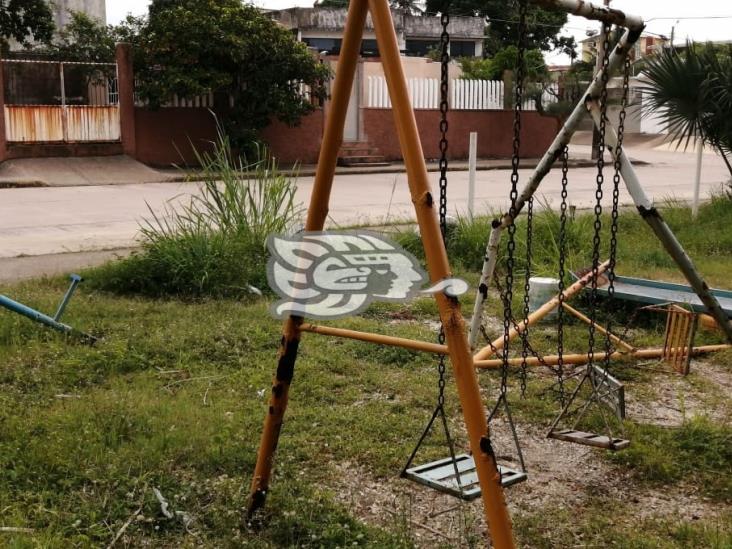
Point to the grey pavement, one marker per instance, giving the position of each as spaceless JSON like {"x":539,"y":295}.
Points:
{"x":43,"y":221}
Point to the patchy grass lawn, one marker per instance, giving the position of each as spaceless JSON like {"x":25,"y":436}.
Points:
{"x":173,"y":398}
{"x":173,"y":395}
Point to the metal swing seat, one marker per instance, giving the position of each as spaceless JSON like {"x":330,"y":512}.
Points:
{"x":457,"y":475}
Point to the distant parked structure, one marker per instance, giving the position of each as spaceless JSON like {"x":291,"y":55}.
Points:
{"x":322,"y":29}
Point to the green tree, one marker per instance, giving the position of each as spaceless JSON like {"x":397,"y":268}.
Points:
{"x":25,"y":21}
{"x":192,"y":47}
{"x":692,"y":90}
{"x":86,"y":39}
{"x":502,"y":19}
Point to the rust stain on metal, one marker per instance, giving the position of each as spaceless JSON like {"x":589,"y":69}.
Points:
{"x":49,"y":123}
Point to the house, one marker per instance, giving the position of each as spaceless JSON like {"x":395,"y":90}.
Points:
{"x":322,"y":29}
{"x":647,"y":44}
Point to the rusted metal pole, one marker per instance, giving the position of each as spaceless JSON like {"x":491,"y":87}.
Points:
{"x":540,"y":313}
{"x":376,"y":338}
{"x":317,"y":213}
{"x":476,"y":424}
{"x":593,"y":11}
{"x":663,"y":232}
{"x":581,"y":358}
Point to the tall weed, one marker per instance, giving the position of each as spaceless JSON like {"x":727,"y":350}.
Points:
{"x":215,"y":243}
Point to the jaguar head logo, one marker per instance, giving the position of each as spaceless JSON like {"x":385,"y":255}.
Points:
{"x":331,"y":275}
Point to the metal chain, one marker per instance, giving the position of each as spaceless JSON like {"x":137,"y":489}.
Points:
{"x":515,"y":325}
{"x":562,"y":274}
{"x":444,"y":107}
{"x":527,"y":290}
{"x":616,"y":198}
{"x":511,"y":246}
{"x":444,"y":82}
{"x":600,"y":179}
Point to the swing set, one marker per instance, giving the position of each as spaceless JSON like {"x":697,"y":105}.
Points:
{"x":479,"y":474}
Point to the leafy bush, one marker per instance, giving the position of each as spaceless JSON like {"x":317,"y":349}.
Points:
{"x":215,"y":244}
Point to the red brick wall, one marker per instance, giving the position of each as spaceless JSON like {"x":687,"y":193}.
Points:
{"x":300,"y":143}
{"x":168,"y":136}
{"x":495,"y":133}
{"x":164,"y":137}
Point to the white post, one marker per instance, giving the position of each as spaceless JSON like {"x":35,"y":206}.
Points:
{"x":471,"y":172}
{"x":697,"y":181}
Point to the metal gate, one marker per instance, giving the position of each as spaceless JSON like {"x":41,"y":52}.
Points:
{"x":51,"y":101}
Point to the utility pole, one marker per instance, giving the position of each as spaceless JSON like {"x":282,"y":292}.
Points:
{"x":598,"y":66}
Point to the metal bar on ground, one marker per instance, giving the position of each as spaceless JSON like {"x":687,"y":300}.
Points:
{"x":664,"y":233}
{"x":540,"y":313}
{"x":474,"y":414}
{"x":317,"y":213}
{"x":593,"y":11}
{"x":38,"y":316}
{"x":376,"y":338}
{"x":581,"y":358}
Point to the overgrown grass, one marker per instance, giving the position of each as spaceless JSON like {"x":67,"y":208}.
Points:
{"x":215,"y":243}
{"x":697,"y":452}
{"x":707,"y":240}
{"x":174,"y":395}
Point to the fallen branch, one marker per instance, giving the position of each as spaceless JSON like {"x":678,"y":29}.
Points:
{"x":124,"y":527}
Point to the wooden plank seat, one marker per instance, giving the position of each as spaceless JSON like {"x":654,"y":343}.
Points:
{"x":440,"y":475}
{"x":589,"y":439}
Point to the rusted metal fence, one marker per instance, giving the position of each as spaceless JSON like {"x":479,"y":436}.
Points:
{"x":51,"y":101}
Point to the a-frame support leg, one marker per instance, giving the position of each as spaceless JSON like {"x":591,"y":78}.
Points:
{"x":474,"y":413}
{"x":467,"y":383}
{"x":662,"y":231}
{"x":317,"y":213}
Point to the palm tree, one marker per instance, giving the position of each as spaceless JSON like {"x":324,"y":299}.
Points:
{"x":693,"y":92}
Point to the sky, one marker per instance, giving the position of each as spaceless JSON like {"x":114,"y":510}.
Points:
{"x":693,"y":20}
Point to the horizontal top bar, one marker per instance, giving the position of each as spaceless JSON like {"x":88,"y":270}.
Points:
{"x":592,"y":11}
{"x":57,"y":62}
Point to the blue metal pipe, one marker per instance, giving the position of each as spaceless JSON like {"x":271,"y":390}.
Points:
{"x":75,"y":279}
{"x":26,"y":311}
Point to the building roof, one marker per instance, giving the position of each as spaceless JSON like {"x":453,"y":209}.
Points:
{"x":334,"y":19}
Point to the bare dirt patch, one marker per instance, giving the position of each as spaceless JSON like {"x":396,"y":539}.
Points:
{"x":561,"y":476}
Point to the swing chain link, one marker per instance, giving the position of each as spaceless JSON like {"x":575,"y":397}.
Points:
{"x":617,"y":165}
{"x":444,"y":107}
{"x":527,"y":290}
{"x":511,"y":245}
{"x":441,"y":372}
{"x":562,"y":273}
{"x":600,"y":179}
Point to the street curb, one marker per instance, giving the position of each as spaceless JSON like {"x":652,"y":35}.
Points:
{"x":22,"y":184}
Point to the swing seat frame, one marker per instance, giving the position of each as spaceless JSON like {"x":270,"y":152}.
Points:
{"x":589,"y":439}
{"x":440,"y":475}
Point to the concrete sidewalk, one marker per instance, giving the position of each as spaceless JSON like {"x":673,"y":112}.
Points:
{"x":122,"y":170}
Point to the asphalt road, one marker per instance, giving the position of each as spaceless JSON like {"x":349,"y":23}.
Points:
{"x":37,"y":221}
